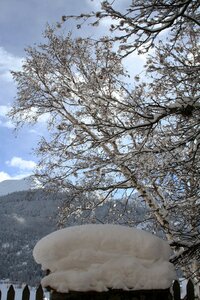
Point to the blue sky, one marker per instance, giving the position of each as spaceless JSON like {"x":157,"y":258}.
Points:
{"x":22,"y":23}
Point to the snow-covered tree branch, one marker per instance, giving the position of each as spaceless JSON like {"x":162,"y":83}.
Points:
{"x":111,"y":138}
{"x":140,"y":25}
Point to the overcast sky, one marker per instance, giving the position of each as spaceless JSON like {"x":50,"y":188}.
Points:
{"x":22,"y":23}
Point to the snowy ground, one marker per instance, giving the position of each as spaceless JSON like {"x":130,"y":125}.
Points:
{"x":18,"y":292}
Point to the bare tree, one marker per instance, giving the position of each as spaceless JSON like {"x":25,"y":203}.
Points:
{"x":139,"y":26}
{"x":112,"y":138}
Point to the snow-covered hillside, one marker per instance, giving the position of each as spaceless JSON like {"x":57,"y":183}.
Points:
{"x":11,"y":186}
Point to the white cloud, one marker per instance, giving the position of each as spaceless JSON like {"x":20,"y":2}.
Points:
{"x":4,"y":121}
{"x":44,"y":118}
{"x":134,"y":63}
{"x":94,"y":4}
{"x":4,"y":176}
{"x":8,"y":62}
{"x":4,"y":109}
{"x":32,"y":114}
{"x":108,"y":21}
{"x":7,"y":124}
{"x":22,"y":164}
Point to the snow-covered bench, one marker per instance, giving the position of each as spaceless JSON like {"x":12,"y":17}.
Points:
{"x":105,"y":262}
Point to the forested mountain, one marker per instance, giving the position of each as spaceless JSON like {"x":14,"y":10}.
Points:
{"x":25,"y":218}
{"x":15,"y":185}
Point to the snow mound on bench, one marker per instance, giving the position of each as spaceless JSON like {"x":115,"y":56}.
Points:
{"x":99,"y":257}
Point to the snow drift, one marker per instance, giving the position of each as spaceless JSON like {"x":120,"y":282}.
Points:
{"x":99,"y":257}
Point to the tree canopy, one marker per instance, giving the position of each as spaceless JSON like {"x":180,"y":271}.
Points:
{"x":140,"y":25}
{"x":111,"y":136}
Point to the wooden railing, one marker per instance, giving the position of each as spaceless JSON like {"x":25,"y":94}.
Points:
{"x":112,"y":294}
{"x":176,"y":291}
{"x":39,"y":293}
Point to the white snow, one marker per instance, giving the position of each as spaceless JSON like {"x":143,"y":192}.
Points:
{"x":15,"y":185}
{"x":98,"y":257}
